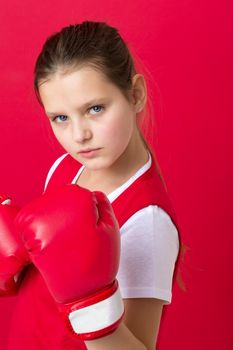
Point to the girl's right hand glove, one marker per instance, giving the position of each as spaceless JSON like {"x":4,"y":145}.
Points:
{"x":73,"y":239}
{"x":13,"y":256}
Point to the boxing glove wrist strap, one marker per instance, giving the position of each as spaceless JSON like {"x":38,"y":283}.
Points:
{"x":96,"y":316}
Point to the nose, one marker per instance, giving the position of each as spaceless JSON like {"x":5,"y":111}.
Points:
{"x":81,"y":132}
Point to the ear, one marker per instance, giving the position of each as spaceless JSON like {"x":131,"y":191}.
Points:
{"x":139,"y":92}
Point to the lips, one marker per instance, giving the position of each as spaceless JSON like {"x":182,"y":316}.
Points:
{"x":88,"y":150}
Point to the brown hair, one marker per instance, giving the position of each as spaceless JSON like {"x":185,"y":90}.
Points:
{"x":100,"y":46}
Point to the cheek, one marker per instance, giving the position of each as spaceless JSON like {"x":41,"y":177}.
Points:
{"x":61,"y":136}
{"x":118,"y":130}
{"x":56,"y":132}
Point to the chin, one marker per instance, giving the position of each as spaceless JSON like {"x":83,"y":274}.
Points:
{"x":98,"y":164}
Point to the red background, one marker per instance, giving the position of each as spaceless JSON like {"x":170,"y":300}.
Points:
{"x":186,"y":45}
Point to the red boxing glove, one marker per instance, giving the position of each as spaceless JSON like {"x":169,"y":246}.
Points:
{"x":13,"y":255}
{"x":73,"y":239}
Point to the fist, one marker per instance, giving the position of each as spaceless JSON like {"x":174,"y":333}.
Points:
{"x":72,"y":236}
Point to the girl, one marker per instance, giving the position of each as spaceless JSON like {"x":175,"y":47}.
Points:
{"x":87,"y":84}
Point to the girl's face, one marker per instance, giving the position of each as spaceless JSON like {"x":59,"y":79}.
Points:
{"x":87,"y":112}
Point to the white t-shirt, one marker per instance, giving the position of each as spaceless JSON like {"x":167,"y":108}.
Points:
{"x":149,"y":246}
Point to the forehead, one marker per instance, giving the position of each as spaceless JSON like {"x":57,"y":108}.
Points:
{"x":79,"y":85}
{"x":80,"y":79}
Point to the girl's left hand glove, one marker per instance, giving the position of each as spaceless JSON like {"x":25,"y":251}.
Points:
{"x":13,"y":255}
{"x":73,"y":238}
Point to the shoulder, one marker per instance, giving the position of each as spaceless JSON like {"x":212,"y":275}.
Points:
{"x":53,"y":168}
{"x":151,"y":229}
{"x":150,"y":218}
{"x":149,"y":249}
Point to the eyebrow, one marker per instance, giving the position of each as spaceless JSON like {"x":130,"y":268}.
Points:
{"x":84,"y":106}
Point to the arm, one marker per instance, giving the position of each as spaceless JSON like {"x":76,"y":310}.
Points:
{"x":141,"y":322}
{"x":139,"y":328}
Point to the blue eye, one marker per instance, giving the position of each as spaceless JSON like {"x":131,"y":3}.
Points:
{"x":60,"y":118}
{"x":96,"y":108}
